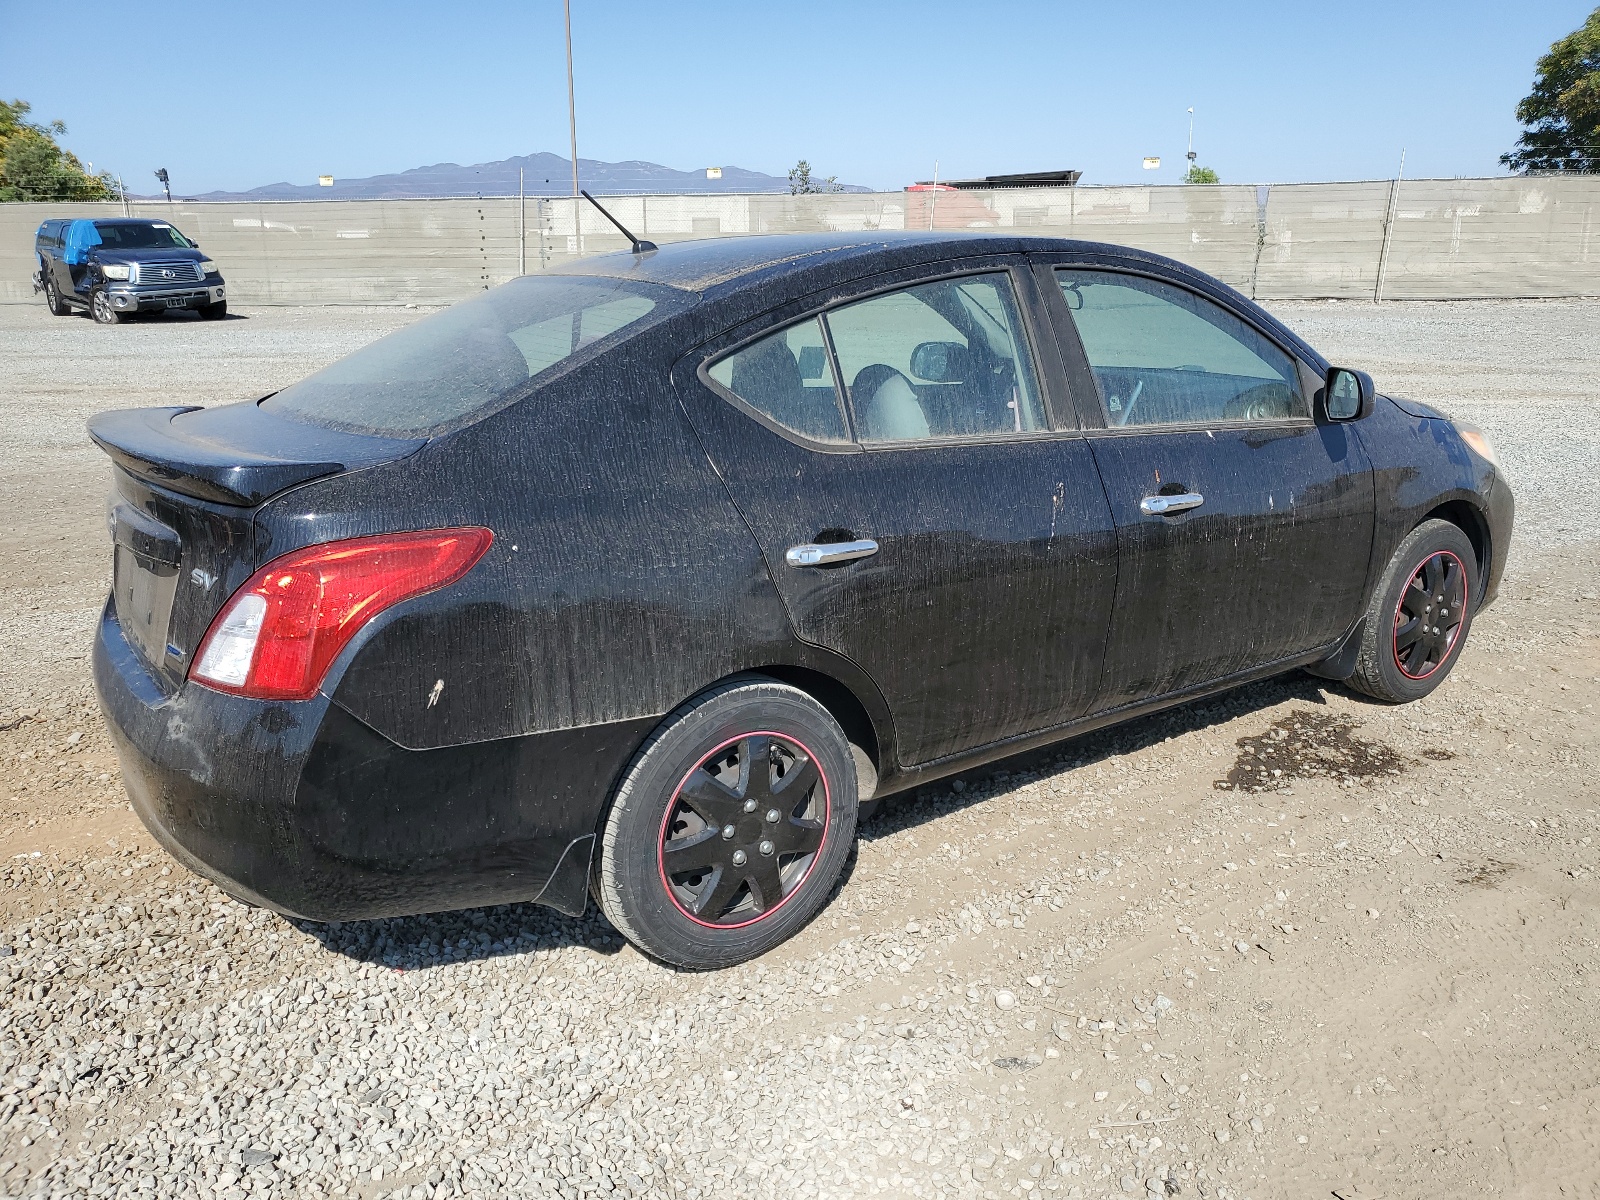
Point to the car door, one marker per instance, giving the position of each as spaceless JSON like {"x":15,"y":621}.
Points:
{"x":1244,"y":525}
{"x":71,"y":265}
{"x":917,"y":510}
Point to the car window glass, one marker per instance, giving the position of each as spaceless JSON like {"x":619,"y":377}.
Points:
{"x":545,"y":343}
{"x":787,"y":377}
{"x":156,"y":236}
{"x":1163,"y":355}
{"x":472,"y":358}
{"x":945,"y":359}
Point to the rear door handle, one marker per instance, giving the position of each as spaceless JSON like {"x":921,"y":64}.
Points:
{"x":814,"y":554}
{"x":1156,"y":506}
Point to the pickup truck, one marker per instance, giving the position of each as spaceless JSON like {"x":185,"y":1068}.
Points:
{"x":117,"y":266}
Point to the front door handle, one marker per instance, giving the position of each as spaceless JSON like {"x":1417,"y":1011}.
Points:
{"x":1157,"y":506}
{"x":815,"y":554}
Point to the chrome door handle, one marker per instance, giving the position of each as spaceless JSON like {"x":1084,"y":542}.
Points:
{"x":1157,"y":506}
{"x":813,"y":554}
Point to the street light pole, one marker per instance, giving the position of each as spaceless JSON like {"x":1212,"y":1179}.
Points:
{"x":572,"y":101}
{"x":572,"y":123}
{"x":1190,"y":154}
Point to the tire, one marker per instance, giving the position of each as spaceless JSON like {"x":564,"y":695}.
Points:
{"x":214,"y":312}
{"x":100,"y":309}
{"x":688,"y":786}
{"x":1403,"y":657}
{"x":53,"y":301}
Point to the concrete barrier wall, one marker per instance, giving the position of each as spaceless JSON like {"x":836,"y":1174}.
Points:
{"x":1418,"y":239}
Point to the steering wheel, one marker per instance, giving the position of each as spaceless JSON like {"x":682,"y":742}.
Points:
{"x":1262,"y":403}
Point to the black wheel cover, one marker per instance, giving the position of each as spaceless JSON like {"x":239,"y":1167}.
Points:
{"x":743,"y":830}
{"x":1427,"y":621}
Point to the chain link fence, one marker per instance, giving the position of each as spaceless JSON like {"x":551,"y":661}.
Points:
{"x":1419,"y":239}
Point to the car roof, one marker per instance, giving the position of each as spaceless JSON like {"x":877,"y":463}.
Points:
{"x":768,"y":269}
{"x":733,"y":263}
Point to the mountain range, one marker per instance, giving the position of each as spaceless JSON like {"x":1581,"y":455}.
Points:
{"x":542,"y":175}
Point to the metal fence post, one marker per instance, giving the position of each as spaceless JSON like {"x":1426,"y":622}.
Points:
{"x":1388,"y":229}
{"x":1263,"y":198}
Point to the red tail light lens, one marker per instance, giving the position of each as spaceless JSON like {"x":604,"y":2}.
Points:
{"x":277,"y":636}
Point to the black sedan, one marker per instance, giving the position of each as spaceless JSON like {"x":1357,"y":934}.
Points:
{"x":642,"y":579}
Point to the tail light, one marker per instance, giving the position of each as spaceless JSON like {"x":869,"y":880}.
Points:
{"x":277,"y":636}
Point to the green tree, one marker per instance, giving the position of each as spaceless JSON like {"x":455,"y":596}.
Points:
{"x":1561,"y":116}
{"x":1199,"y":174}
{"x":34,"y":167}
{"x":801,"y":183}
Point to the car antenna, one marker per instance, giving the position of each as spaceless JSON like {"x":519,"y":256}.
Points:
{"x":638,"y":246}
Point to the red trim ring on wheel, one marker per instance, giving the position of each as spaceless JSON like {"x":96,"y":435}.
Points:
{"x":672,"y":807}
{"x":1455,"y":631}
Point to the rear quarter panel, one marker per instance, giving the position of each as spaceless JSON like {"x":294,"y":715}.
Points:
{"x":621,"y":579}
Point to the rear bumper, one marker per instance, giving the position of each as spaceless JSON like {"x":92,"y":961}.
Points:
{"x":301,"y":808}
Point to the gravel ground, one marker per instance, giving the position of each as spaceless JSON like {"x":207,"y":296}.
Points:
{"x":1285,"y":943}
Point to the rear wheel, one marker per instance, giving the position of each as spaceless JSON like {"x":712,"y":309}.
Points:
{"x":1420,"y":615}
{"x":214,"y":312}
{"x":731,"y":826}
{"x":52,"y":298}
{"x":100,"y":308}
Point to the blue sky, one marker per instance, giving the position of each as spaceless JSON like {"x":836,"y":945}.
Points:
{"x":233,"y":96}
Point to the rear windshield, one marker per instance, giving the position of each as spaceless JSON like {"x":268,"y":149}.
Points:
{"x":463,"y":363}
{"x":140,"y":237}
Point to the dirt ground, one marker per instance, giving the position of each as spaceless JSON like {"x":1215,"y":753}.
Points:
{"x":1284,"y":943}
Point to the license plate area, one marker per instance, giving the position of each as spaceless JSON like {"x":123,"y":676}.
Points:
{"x":177,"y":302}
{"x":144,"y":591}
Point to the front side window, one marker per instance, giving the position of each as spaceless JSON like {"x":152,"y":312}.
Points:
{"x":472,"y":358}
{"x":786,"y":376}
{"x":945,"y":359}
{"x":1165,"y":356}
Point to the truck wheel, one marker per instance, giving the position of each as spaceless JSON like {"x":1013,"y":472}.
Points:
{"x":731,"y":826}
{"x":1420,"y":615}
{"x":214,"y":312}
{"x":100,"y":308}
{"x":52,"y":298}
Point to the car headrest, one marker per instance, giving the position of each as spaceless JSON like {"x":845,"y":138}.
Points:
{"x":766,"y":373}
{"x":886,"y":405}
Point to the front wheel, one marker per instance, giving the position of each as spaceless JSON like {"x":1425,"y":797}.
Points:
{"x":1420,"y":615}
{"x":214,"y":312}
{"x":100,"y":308}
{"x":730,"y":827}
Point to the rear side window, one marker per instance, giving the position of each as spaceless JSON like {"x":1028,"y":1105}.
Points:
{"x":475,"y":357}
{"x":945,"y":359}
{"x":1165,"y":356}
{"x":786,"y":376}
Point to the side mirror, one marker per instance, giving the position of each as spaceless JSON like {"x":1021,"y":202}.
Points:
{"x":1348,"y":395}
{"x":941,"y":362}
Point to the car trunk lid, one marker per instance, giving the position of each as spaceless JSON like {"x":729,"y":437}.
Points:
{"x":188,"y":483}
{"x":238,"y":454}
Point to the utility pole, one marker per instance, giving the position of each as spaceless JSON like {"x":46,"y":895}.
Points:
{"x":572,"y":123}
{"x":1190,"y":154}
{"x":161,"y":174}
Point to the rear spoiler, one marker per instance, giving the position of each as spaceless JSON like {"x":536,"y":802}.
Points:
{"x":240,"y":454}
